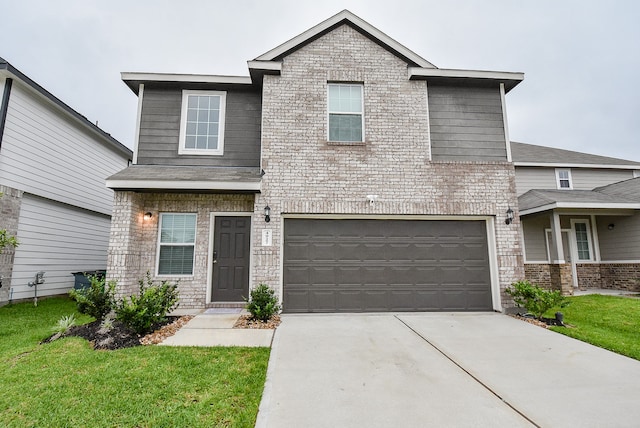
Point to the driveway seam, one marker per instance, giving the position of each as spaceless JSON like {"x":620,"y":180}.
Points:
{"x":466,"y":371}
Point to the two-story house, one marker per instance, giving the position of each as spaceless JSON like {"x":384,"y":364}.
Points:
{"x":584,"y":207}
{"x":53,"y":163}
{"x":346,"y":172}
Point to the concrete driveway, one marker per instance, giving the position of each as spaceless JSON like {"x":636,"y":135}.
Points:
{"x":444,"y":370}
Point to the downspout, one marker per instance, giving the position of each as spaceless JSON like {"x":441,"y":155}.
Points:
{"x":4,"y":107}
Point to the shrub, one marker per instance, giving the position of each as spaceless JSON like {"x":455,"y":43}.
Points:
{"x":140,"y":313}
{"x":263,"y":303}
{"x":96,"y":300}
{"x":64,"y":324}
{"x":536,"y":300}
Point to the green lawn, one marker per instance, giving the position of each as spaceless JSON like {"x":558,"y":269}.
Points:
{"x":609,"y":322}
{"x":66,"y":383}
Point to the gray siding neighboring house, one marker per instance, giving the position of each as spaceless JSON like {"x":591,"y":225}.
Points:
{"x":53,"y":163}
{"x":592,"y":219}
{"x":386,"y":181}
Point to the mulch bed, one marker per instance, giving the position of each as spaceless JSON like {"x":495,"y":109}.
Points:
{"x":119,"y":336}
{"x":245,"y":321}
{"x":544,"y":322}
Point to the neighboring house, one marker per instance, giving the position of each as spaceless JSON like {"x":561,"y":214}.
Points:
{"x":346,"y":172}
{"x":583,"y":207}
{"x":53,"y":163}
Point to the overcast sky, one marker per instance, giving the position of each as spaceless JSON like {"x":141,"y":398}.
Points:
{"x":580,"y":58}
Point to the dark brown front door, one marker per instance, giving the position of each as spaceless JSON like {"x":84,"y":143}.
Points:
{"x":231,"y":240}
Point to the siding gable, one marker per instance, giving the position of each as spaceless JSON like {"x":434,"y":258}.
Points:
{"x":466,"y":123}
{"x":160,"y":129}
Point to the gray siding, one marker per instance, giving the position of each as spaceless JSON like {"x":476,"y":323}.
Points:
{"x":57,"y":239}
{"x":45,"y":153}
{"x":534,"y":238}
{"x":160,"y":130}
{"x":528,"y":178}
{"x":621,"y":243}
{"x":466,"y":124}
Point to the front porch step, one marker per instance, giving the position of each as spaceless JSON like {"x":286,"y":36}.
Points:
{"x":240,"y":305}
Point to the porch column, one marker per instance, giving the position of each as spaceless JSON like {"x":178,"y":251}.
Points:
{"x":594,"y":233}
{"x":556,"y":238}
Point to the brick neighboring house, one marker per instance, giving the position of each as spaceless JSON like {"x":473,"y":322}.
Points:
{"x":387,"y":181}
{"x":585,"y":208}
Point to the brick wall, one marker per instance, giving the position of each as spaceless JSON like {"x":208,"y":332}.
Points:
{"x":589,"y":276}
{"x":551,"y":276}
{"x":134,"y":240}
{"x":10,"y":203}
{"x":620,"y":276}
{"x":306,"y":175}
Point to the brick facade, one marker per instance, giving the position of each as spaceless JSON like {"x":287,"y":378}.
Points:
{"x":134,"y":241}
{"x":10,"y":203}
{"x":307,"y":175}
{"x":614,"y":276}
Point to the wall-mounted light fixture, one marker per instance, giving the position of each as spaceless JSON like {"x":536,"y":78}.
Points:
{"x":148,"y":215}
{"x":611,"y":226}
{"x":509,"y":218}
{"x":267,"y":214}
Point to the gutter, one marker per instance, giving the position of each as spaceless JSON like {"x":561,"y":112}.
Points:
{"x":4,"y":106}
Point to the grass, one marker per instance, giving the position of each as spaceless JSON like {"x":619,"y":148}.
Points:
{"x":66,"y":383}
{"x":609,"y":322}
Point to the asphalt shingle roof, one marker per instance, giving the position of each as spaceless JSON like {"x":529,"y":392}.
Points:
{"x":521,"y":152}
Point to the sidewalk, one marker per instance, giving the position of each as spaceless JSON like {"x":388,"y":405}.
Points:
{"x":215,"y":328}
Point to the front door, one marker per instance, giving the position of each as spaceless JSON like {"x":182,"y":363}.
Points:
{"x":231,"y":241}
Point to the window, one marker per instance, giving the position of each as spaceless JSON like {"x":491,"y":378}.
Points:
{"x":176,"y":244}
{"x":345,"y":107}
{"x":563,"y":179}
{"x":583,"y":239}
{"x":202,"y":123}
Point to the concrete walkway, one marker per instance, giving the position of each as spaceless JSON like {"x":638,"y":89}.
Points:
{"x":216,"y":329}
{"x":442,"y":370}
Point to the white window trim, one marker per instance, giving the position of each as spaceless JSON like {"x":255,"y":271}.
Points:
{"x":575,"y":239}
{"x":568,"y":170}
{"x":182,"y":150}
{"x":338,"y":112}
{"x":195,"y":239}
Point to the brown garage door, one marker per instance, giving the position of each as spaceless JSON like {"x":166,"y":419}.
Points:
{"x":356,"y":265}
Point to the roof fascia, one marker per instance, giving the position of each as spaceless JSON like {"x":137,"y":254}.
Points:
{"x":582,"y":205}
{"x":577,"y":165}
{"x":133,"y":79}
{"x":184,"y":185}
{"x":510,"y":79}
{"x":9,"y":71}
{"x":345,"y":17}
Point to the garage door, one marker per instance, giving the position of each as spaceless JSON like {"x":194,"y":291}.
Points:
{"x":356,"y":265}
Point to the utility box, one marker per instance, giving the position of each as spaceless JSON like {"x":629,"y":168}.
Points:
{"x":82,"y":278}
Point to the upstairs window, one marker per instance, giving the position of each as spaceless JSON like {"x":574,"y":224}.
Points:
{"x":563,"y":179}
{"x":176,"y":244}
{"x":202,"y":123}
{"x":345,"y":108}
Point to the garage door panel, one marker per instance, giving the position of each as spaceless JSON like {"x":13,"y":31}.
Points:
{"x":385,"y":265}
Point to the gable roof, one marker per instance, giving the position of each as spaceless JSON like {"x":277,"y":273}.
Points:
{"x":628,"y":189}
{"x":345,"y":17}
{"x":538,"y":200}
{"x":9,"y":71}
{"x":532,"y":155}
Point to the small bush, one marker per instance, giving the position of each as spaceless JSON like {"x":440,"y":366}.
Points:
{"x":536,"y":300}
{"x":140,"y":313}
{"x":96,"y":300}
{"x":64,"y":324}
{"x":263,"y":303}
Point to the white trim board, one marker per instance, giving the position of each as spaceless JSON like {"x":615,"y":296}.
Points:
{"x":583,"y":205}
{"x":188,"y":78}
{"x":183,"y":185}
{"x":575,"y":165}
